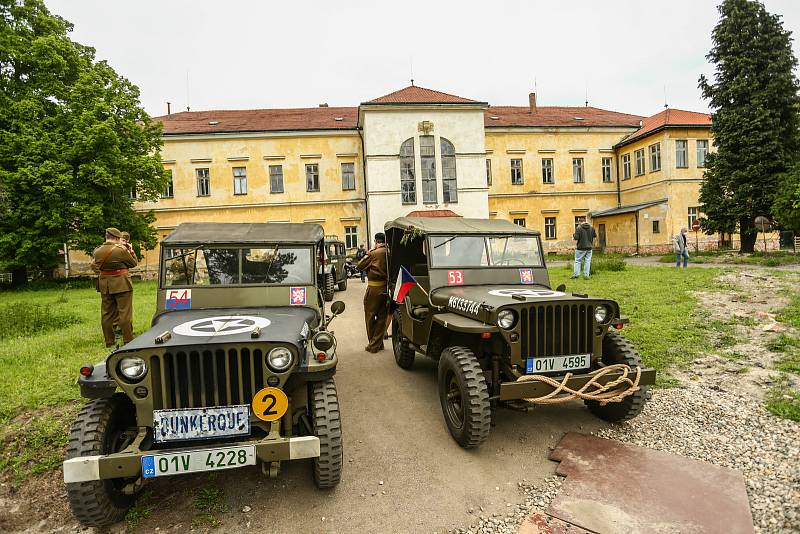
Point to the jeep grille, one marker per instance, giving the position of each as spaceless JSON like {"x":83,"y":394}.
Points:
{"x":556,"y":329}
{"x":197,"y":379}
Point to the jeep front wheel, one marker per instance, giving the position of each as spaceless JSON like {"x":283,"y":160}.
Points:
{"x":464,"y":397}
{"x":403,"y":351}
{"x":103,"y":426}
{"x":617,"y":349}
{"x":327,"y":426}
{"x":327,"y":291}
{"x":342,"y":286}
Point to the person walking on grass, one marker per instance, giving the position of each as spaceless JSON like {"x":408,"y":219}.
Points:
{"x":681,"y":248}
{"x":584,"y":236}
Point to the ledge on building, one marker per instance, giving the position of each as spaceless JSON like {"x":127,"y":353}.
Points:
{"x":630,"y":208}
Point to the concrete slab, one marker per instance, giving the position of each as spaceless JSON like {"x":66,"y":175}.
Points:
{"x":539,"y":523}
{"x":612,"y":487}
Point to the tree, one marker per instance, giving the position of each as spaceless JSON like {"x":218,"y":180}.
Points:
{"x":755,"y":118}
{"x":786,"y":209}
{"x":74,"y":143}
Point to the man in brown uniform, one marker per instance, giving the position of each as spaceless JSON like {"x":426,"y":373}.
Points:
{"x":376,"y":298}
{"x":111,"y":261}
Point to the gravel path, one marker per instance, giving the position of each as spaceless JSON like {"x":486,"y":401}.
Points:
{"x":729,"y":430}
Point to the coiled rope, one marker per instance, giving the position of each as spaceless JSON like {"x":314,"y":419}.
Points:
{"x":592,"y":390}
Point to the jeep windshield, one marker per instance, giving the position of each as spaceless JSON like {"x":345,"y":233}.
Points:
{"x":485,"y":251}
{"x":230,"y":266}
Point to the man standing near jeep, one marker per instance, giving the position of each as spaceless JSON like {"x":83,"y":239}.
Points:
{"x":374,"y":263}
{"x":585,"y":236}
{"x":111,"y":261}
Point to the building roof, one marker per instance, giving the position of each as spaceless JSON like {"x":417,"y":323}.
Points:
{"x":458,"y":225}
{"x":433,"y":213}
{"x":413,"y":94}
{"x":630,"y":208}
{"x":259,"y":120}
{"x":669,"y":118}
{"x":194,"y":234}
{"x":511,"y":116}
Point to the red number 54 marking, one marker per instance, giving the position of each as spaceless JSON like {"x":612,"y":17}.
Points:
{"x":455,"y":278}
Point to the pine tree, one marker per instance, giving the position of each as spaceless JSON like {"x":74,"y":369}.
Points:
{"x":754,"y":105}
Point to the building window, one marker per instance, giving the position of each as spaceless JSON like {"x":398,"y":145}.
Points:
{"x":626,"y":166}
{"x":549,"y":227}
{"x":408,"y":173}
{"x":312,"y":177}
{"x":276,"y":179}
{"x":693,"y":213}
{"x":239,"y":181}
{"x":579,"y":219}
{"x":655,"y":157}
{"x":516,"y":172}
{"x":702,"y":152}
{"x":169,"y":190}
{"x":203,"y":182}
{"x":656,"y":227}
{"x":449,"y":183}
{"x":547,"y":171}
{"x":427,"y":159}
{"x":681,"y":161}
{"x":606,"y":167}
{"x":132,"y":193}
{"x":577,"y":170}
{"x":520,"y":222}
{"x":351,"y":236}
{"x":348,"y":176}
{"x":488,"y":172}
{"x":639,"y":157}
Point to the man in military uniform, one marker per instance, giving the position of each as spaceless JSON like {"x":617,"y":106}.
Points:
{"x":111,"y":262}
{"x":376,"y":298}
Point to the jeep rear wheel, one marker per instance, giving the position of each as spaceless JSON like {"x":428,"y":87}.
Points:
{"x":103,"y":426}
{"x":464,"y":397}
{"x":342,"y":286}
{"x":327,"y":291}
{"x":327,"y":426}
{"x":403,"y":351}
{"x":617,"y":349}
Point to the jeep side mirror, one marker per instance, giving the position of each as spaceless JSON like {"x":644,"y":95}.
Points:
{"x":561,"y":288}
{"x":337,"y":308}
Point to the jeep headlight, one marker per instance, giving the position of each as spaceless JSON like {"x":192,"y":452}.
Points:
{"x":279,"y":359}
{"x":506,"y":319}
{"x":323,"y":341}
{"x":601,"y":313}
{"x":132,"y":368}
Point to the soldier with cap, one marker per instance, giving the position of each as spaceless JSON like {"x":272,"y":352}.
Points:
{"x":374,"y":263}
{"x":111,"y":261}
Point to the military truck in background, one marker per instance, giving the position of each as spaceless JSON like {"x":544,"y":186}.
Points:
{"x":237,"y":368}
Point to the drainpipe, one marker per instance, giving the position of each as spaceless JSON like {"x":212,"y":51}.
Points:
{"x":366,"y":196}
{"x":636,"y":215}
{"x":619,"y":191}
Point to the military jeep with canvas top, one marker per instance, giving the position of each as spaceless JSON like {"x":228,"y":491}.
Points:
{"x":484,"y":308}
{"x":237,"y":368}
{"x":333,"y":272}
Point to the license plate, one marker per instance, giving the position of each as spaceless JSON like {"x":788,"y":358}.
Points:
{"x":179,"y":463}
{"x":558,"y":363}
{"x":201,"y":423}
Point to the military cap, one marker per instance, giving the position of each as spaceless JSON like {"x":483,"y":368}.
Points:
{"x":113,"y":231}
{"x":126,"y":236}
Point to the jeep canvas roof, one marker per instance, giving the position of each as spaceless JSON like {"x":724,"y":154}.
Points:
{"x":226,"y":233}
{"x":458,"y":225}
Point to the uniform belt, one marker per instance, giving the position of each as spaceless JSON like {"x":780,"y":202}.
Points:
{"x":118,"y":272}
{"x":376,"y":283}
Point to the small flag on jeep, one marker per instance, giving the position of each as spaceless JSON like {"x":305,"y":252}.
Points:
{"x":405,"y":281}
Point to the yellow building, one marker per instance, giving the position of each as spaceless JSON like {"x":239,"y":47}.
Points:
{"x":351,"y":169}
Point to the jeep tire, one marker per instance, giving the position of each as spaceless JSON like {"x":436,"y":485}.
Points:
{"x":99,"y":429}
{"x":326,"y":425}
{"x":617,"y":349}
{"x":342,"y":286}
{"x":403,"y":351}
{"x":327,"y":291}
{"x":464,"y":397}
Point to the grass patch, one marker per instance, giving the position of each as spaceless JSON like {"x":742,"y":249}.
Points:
{"x":208,"y":503}
{"x":140,"y":511}
{"x":664,"y":323}
{"x":21,"y":319}
{"x":784,"y":401}
{"x":607,"y":263}
{"x":771,"y":259}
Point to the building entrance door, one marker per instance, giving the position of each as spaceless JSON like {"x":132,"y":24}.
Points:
{"x":602,"y":236}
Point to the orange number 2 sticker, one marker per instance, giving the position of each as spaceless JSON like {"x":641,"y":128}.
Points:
{"x":269,"y":404}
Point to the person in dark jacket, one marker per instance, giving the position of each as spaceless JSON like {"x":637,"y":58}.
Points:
{"x":584,"y":236}
{"x":360,"y":253}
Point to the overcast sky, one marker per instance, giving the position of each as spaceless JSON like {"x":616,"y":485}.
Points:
{"x":258,"y":54}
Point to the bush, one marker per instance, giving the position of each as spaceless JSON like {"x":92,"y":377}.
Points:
{"x":23,"y":319}
{"x":608,"y":264}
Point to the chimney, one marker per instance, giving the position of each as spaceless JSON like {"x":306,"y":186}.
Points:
{"x":532,"y":102}
{"x":324,"y":105}
{"x":168,"y":109}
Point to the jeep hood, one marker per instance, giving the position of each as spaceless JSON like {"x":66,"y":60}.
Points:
{"x":467,"y":300}
{"x":218,"y":326}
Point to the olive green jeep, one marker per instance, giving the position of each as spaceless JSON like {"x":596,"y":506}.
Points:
{"x":333,"y":271}
{"x":483,"y":307}
{"x":237,"y":368}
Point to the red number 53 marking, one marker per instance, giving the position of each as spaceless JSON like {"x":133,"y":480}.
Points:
{"x":455,"y":278}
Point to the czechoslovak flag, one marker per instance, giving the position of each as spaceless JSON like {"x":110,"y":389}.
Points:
{"x":405,"y":281}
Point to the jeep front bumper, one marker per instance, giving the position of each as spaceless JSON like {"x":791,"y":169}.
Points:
{"x":533,"y":390}
{"x":129,"y":464}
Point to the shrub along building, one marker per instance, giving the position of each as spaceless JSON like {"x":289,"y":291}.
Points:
{"x":351,"y":169}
